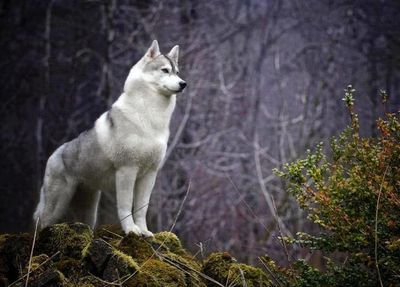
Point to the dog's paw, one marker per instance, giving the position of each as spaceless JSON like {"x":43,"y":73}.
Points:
{"x":146,"y":233}
{"x":133,"y":228}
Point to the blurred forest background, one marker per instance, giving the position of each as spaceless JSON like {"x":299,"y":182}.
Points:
{"x":265,"y":83}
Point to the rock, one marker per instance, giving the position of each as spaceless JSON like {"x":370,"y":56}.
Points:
{"x":118,"y":266}
{"x":72,"y":269}
{"x":96,"y":255}
{"x":14,"y":252}
{"x":155,"y":273}
{"x":110,"y":233}
{"x":49,"y":278}
{"x":169,"y":240}
{"x":139,"y":248}
{"x":224,"y":269}
{"x":69,"y":239}
{"x":112,"y":257}
{"x":106,"y":262}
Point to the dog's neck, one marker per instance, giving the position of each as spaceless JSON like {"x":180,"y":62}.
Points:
{"x":142,"y":102}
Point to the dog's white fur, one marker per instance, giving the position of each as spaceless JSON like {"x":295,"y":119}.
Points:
{"x":121,"y":154}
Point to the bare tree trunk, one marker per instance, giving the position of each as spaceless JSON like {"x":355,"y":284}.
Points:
{"x":43,"y":96}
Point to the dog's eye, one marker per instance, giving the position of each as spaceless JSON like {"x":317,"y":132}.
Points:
{"x":165,"y":71}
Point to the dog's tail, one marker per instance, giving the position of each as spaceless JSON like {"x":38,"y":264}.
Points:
{"x":39,"y":209}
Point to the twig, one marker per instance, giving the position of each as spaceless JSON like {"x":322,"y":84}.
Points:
{"x":270,"y":272}
{"x":258,"y":219}
{"x":136,"y":210}
{"x":181,"y":207}
{"x":30,"y":257}
{"x":115,"y":234}
{"x":243,"y":279}
{"x":376,"y":227}
{"x":175,"y":263}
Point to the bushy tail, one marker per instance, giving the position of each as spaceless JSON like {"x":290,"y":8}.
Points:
{"x":39,"y":209}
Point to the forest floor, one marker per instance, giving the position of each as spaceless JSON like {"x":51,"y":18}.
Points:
{"x":74,"y":255}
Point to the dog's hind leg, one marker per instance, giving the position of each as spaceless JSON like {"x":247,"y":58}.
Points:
{"x":56,"y":193}
{"x":84,"y":206}
{"x":55,"y":197}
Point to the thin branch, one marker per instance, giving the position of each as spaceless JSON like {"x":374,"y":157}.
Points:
{"x":376,"y":227}
{"x":33,"y":247}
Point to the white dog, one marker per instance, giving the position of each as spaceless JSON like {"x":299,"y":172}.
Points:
{"x":121,"y":153}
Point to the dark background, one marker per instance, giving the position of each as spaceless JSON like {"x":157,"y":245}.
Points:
{"x":265,"y":78}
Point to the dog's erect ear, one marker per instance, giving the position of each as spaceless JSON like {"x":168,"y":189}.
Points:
{"x":174,"y":54}
{"x":153,"y":51}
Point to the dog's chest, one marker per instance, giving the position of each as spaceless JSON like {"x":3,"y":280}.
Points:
{"x":145,"y":150}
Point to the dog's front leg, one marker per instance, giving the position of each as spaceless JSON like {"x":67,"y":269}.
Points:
{"x":143,"y":189}
{"x":125,"y":181}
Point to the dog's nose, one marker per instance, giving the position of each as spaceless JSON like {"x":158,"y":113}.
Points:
{"x":182,"y":85}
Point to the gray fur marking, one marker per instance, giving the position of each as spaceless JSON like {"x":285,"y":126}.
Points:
{"x":171,"y":63}
{"x":110,"y":118}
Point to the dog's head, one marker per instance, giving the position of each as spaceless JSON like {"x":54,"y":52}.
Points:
{"x":157,"y":71}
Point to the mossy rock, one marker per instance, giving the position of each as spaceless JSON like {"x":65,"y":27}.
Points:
{"x":69,"y":239}
{"x":44,"y":273}
{"x":72,"y":269}
{"x":171,"y":241}
{"x":217,"y":266}
{"x":192,"y":268}
{"x":49,"y":278}
{"x":139,"y":248}
{"x":90,"y":281}
{"x":155,"y":273}
{"x":112,"y":234}
{"x":39,"y":264}
{"x":106,"y":262}
{"x":14,"y":253}
{"x":223,"y":268}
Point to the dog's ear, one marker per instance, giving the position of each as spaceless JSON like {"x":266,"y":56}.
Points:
{"x":174,"y":54}
{"x":153,"y":51}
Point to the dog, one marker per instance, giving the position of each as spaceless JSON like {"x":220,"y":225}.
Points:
{"x":122,"y":153}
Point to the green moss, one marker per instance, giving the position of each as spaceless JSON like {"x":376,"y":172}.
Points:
{"x":170,"y":240}
{"x":48,"y":277}
{"x":126,"y":258}
{"x":37,"y":265}
{"x":155,"y":273}
{"x":71,"y":268}
{"x":118,"y":266}
{"x":110,"y":233}
{"x":88,"y":262}
{"x":69,"y":239}
{"x":90,"y":281}
{"x":106,"y":262}
{"x":223,"y":268}
{"x":189,"y":265}
{"x":217,"y":266}
{"x":249,"y":276}
{"x":139,"y":248}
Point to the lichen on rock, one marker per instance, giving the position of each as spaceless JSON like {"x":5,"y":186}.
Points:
{"x":106,"y":262}
{"x":68,"y":239}
{"x":155,"y":273}
{"x":139,"y":248}
{"x":70,"y":255}
{"x":170,"y":241}
{"x":222,"y":267}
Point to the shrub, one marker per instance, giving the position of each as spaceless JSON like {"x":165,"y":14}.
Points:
{"x":354,"y":196}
